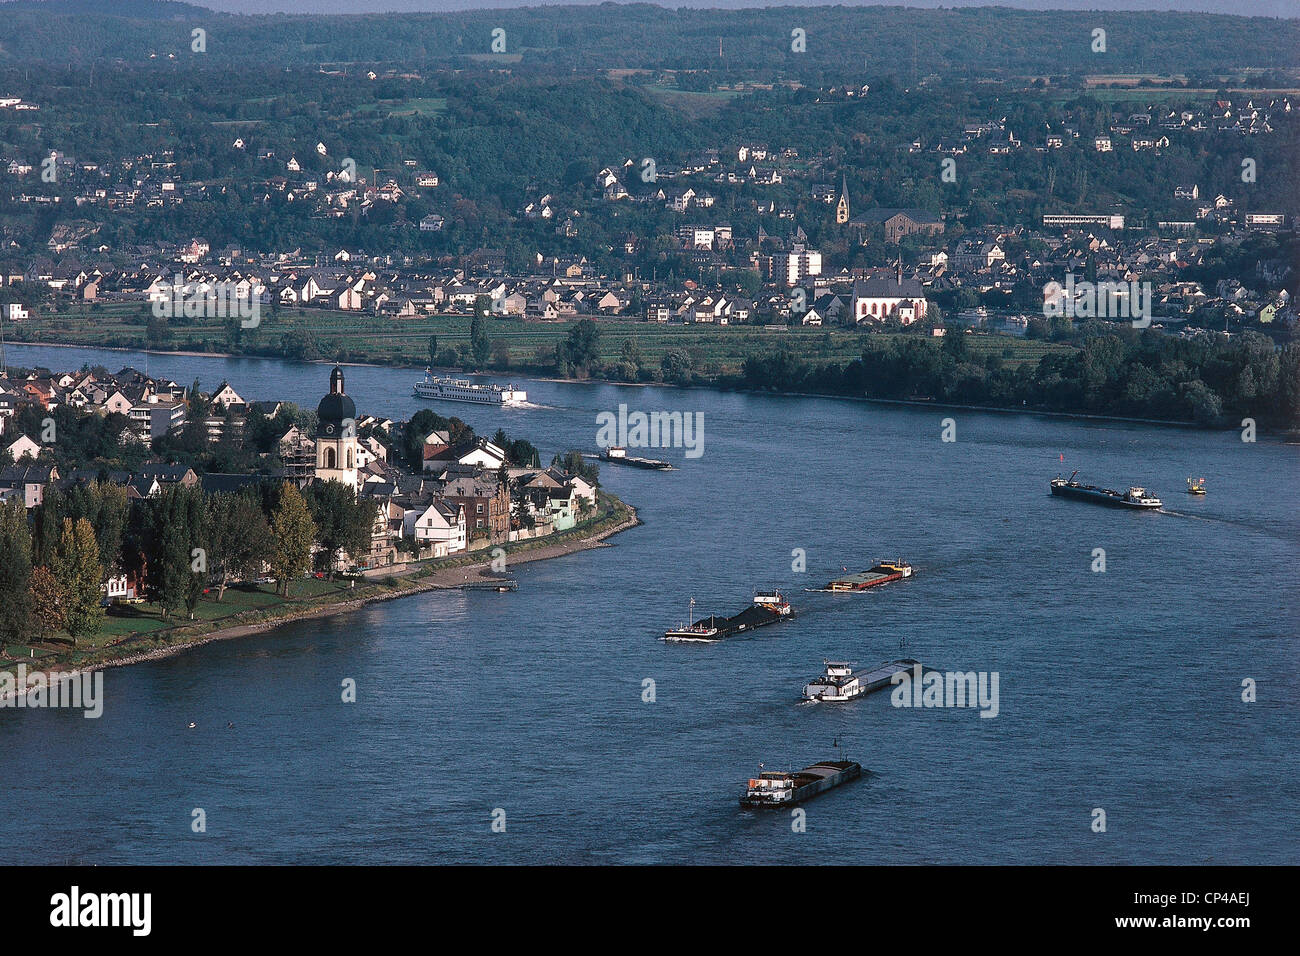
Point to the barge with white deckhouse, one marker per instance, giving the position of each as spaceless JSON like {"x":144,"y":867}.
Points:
{"x":1136,"y":498}
{"x":617,"y":455}
{"x":779,"y":788}
{"x":841,"y":682}
{"x":462,"y":390}
{"x":768,"y":608}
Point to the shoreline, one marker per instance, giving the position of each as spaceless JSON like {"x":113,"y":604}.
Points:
{"x":714,"y":386}
{"x":442,"y":579}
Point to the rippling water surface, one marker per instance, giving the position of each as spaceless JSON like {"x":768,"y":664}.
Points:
{"x":1119,"y":690}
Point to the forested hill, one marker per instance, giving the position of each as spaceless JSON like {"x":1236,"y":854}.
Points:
{"x":871,"y":40}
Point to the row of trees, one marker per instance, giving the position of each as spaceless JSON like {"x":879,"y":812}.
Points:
{"x":1115,"y":372}
{"x":182,"y":544}
{"x":50,"y":588}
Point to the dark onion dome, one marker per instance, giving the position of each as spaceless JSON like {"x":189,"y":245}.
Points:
{"x":335,"y":408}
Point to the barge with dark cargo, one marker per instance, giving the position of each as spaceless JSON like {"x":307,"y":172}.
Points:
{"x":778,"y":788}
{"x":1135,"y":498}
{"x":768,"y":608}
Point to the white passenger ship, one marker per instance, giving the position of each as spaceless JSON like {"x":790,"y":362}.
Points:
{"x":463,"y":390}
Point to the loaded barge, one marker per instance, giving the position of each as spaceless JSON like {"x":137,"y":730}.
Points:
{"x":841,"y":683}
{"x":774,"y":788}
{"x":768,"y":608}
{"x":882,"y":573}
{"x":1135,"y":497}
{"x":619,"y":456}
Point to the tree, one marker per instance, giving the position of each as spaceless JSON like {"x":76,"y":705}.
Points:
{"x":46,"y":602}
{"x":572,"y":463}
{"x":47,"y":526}
{"x":343,"y":522}
{"x":239,"y":538}
{"x":480,"y":343}
{"x":174,"y":543}
{"x":79,"y":572}
{"x":676,"y":366}
{"x":104,"y":505}
{"x":579,"y":348}
{"x":15,"y":572}
{"x":433,"y":350}
{"x":292,"y":534}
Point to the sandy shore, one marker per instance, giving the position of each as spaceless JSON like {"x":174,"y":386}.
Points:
{"x":441,"y":580}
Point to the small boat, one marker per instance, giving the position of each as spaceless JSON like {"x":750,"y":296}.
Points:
{"x":691,"y":631}
{"x":1196,"y":486}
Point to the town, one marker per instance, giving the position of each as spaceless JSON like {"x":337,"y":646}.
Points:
{"x":96,"y":515}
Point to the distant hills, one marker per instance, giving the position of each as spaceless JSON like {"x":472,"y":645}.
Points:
{"x":842,"y":43}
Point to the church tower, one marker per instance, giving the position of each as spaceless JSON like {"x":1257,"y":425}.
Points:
{"x":336,"y":435}
{"x":842,"y":207}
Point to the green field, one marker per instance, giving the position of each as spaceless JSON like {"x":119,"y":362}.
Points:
{"x":714,"y":350}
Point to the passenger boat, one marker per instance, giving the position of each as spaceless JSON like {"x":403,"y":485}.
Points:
{"x":463,"y":390}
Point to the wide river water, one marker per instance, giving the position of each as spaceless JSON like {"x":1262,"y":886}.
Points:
{"x":1119,"y":690}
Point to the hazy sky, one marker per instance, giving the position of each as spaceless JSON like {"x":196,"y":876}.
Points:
{"x":1272,"y":8}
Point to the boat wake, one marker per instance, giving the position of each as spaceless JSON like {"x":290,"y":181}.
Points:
{"x":1234,"y":522}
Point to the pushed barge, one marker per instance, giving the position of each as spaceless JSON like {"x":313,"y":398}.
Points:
{"x":768,"y":608}
{"x":619,"y":456}
{"x":841,"y":683}
{"x":781,"y":789}
{"x":1135,"y":497}
{"x":882,"y":573}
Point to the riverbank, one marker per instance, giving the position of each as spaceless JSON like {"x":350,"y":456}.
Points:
{"x":724,"y":374}
{"x":446,"y":574}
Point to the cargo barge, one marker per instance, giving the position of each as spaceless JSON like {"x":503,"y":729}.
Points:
{"x":768,"y":608}
{"x":619,"y":456}
{"x":841,"y":682}
{"x":773,"y":788}
{"x":1135,"y":497}
{"x":882,"y":573}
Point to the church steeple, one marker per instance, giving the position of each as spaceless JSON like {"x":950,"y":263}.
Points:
{"x":842,"y":207}
{"x":336,"y":381}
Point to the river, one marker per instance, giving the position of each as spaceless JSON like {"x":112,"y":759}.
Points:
{"x":1119,"y":690}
